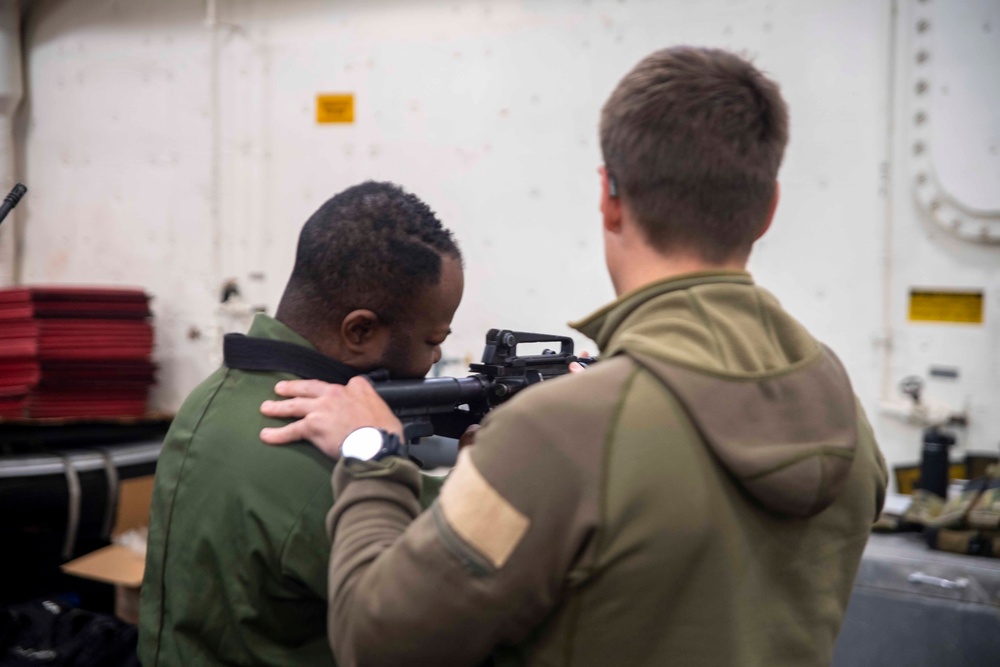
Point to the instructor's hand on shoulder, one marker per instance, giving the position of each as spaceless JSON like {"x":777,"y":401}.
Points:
{"x":326,"y":413}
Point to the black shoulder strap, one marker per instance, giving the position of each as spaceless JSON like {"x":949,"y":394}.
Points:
{"x":262,"y":354}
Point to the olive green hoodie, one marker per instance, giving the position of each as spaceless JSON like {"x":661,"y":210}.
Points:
{"x":701,"y":496}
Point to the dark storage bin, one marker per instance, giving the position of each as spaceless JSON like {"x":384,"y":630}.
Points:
{"x":45,"y":523}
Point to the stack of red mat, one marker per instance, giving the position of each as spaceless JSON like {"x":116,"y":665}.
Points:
{"x":74,"y":352}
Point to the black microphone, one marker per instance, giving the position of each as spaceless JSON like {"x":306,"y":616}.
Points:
{"x":10,"y":201}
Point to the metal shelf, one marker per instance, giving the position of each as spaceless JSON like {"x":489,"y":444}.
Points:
{"x":81,"y":460}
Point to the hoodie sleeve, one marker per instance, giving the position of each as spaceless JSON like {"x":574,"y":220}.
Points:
{"x":491,"y":558}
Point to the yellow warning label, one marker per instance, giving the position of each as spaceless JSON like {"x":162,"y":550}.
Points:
{"x":907,"y":477}
{"x":944,"y":306}
{"x":337,"y":108}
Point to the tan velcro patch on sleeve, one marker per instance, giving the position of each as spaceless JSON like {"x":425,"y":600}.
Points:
{"x":479,"y":514}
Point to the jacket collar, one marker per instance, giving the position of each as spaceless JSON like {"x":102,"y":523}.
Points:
{"x":270,"y":346}
{"x":601,"y":325}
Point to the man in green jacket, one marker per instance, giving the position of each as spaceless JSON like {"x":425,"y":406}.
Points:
{"x":236,"y":570}
{"x":699,"y":497}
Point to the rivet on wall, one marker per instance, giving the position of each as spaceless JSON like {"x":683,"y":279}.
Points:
{"x":944,"y":210}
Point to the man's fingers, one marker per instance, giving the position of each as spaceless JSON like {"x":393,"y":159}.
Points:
{"x":304,"y":388}
{"x":290,"y":407}
{"x":284,"y":434}
{"x":359,"y":385}
{"x":327,"y":413}
{"x":325,"y":434}
{"x":469,"y":437}
{"x":577,"y":367}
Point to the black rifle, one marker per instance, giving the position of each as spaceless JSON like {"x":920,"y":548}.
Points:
{"x":448,"y":406}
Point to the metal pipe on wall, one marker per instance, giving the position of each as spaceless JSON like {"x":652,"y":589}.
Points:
{"x":11,"y":92}
{"x":212,"y":23}
{"x":887,"y":180}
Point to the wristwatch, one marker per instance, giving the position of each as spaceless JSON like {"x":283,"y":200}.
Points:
{"x":371,"y":444}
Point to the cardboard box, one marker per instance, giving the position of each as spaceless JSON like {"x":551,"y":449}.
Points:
{"x":119,"y":565}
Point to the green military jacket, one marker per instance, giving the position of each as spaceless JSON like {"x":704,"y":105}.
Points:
{"x":236,"y":569}
{"x":700,"y":497}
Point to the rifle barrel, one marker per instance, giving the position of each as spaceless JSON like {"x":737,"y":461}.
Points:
{"x":399,"y":394}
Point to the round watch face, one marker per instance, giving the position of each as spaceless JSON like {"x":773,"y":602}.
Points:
{"x":363,"y":443}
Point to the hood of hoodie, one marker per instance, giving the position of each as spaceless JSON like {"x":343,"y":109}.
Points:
{"x":775,"y":406}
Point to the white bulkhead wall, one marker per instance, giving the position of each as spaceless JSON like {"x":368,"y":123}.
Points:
{"x":943,"y":223}
{"x":174,"y":145}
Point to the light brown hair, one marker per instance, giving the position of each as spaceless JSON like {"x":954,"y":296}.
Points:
{"x":693,"y":139}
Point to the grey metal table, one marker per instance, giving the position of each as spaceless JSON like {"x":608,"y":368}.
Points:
{"x":918,"y":607}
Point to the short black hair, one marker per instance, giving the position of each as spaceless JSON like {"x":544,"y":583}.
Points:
{"x":373,"y":246}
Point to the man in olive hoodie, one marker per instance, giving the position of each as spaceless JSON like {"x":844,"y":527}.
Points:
{"x":701,"y":496}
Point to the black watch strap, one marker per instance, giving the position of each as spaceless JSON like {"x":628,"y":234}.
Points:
{"x":391,"y":446}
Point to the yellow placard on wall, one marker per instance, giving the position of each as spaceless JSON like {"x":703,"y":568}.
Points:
{"x":335,"y":108}
{"x":946,"y":306}
{"x":908,"y":476}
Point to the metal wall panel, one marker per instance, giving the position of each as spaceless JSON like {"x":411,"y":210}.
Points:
{"x":174,"y":145}
{"x":945,"y":172}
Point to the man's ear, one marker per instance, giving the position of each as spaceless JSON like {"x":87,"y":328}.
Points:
{"x":774,"y":207}
{"x":363,"y":333}
{"x":611,"y":206}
